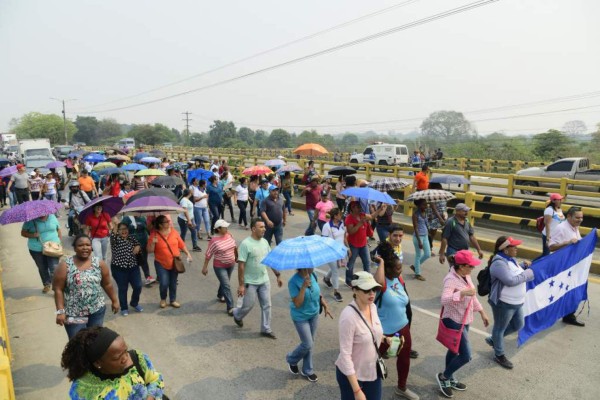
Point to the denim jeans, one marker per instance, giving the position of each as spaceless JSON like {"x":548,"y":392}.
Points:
{"x":263,"y":292}
{"x":333,"y":275}
{"x":224,"y":275}
{"x":363,"y":252}
{"x":321,"y":224}
{"x":167,"y":282}
{"x":455,"y":361}
{"x":304,"y":351}
{"x":142,"y":259}
{"x":227,"y":204}
{"x":46,"y":266}
{"x":100,"y":247}
{"x":277,"y":230}
{"x":12,"y":198}
{"x":287,"y":195}
{"x":383,"y":232}
{"x":125,"y":277}
{"x":242,"y":204}
{"x":183,"y":227}
{"x":311,"y":229}
{"x":95,"y":319}
{"x":371,"y":389}
{"x":545,"y":248}
{"x":215,"y":212}
{"x":200,"y":215}
{"x":508,"y":318}
{"x":421,"y":254}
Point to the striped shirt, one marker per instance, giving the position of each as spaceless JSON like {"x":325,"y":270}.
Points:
{"x":223,"y":249}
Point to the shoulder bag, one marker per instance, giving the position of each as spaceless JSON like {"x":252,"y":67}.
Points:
{"x":381,"y":368}
{"x":177,"y":261}
{"x":49,"y":248}
{"x":449,"y":337}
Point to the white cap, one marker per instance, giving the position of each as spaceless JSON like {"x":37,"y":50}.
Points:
{"x":221,"y":223}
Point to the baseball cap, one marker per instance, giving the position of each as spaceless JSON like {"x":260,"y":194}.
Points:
{"x":74,"y":184}
{"x":466,"y":257}
{"x":32,"y":173}
{"x":273,"y":187}
{"x":364,"y":280}
{"x":462,"y":207}
{"x":19,"y":166}
{"x":556,"y":196}
{"x":221,"y":223}
{"x":510,"y":242}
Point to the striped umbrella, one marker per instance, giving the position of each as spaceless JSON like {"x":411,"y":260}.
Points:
{"x":305,"y":252}
{"x":387,"y":184}
{"x":431,"y":195}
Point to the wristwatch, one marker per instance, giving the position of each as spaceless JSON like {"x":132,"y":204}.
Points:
{"x":60,"y":312}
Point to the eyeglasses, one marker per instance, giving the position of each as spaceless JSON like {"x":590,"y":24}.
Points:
{"x":367,"y":291}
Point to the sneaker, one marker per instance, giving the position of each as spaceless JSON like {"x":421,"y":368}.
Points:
{"x":270,"y":335}
{"x":327,"y":281}
{"x":503,"y":361}
{"x":406,"y":394}
{"x":293,"y":369}
{"x":414,"y":354}
{"x":445,"y":385}
{"x":420,"y":277}
{"x":456,"y":385}
{"x":46,"y":288}
{"x":230,"y":312}
{"x":175,"y":304}
{"x":163,"y":303}
{"x":124,"y":313}
{"x":150,"y":280}
{"x":311,"y":377}
{"x":138,"y":308}
{"x":196,"y":248}
{"x":238,"y":322}
{"x":412,"y":267}
{"x":489,"y":341}
{"x":337,"y":297}
{"x":221,"y":299}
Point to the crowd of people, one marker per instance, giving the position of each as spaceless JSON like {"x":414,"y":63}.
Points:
{"x":375,"y":324}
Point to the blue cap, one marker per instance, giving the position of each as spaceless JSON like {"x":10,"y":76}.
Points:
{"x":273,"y":187}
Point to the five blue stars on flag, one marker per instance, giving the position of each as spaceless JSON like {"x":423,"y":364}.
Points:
{"x":560,"y":287}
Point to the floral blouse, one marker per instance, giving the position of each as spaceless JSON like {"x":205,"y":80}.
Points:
{"x":83,"y":290}
{"x":128,"y":386}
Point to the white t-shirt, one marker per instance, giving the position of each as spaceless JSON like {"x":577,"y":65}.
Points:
{"x":228,"y":181}
{"x":557,"y":218}
{"x":337,"y":234}
{"x":189,"y":206}
{"x":563,"y":233}
{"x":202,"y":203}
{"x":242,"y":193}
{"x":50,"y":186}
{"x":514,"y":294}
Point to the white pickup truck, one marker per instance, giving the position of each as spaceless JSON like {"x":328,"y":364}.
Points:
{"x":571,"y":168}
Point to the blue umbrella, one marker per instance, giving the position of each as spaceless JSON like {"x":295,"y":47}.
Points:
{"x":152,"y":160}
{"x":55,"y":164}
{"x":94,"y":157}
{"x":134,"y":167}
{"x":275,"y":163}
{"x":457,"y":179}
{"x":198,"y":173}
{"x":141,"y":155}
{"x":110,"y":171}
{"x":369,"y":194}
{"x":305,"y":252}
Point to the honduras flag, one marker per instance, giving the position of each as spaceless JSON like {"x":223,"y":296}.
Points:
{"x":560,"y":284}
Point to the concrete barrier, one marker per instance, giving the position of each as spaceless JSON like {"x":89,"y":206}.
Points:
{"x":7,"y":390}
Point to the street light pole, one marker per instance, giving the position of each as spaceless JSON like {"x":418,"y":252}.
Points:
{"x":64,"y":116}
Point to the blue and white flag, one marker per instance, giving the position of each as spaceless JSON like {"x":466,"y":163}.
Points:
{"x":560,"y":284}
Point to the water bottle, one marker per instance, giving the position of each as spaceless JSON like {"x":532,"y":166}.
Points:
{"x":394,"y":346}
{"x":240,"y":302}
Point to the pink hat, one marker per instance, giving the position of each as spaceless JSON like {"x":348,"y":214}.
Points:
{"x":463,"y":257}
{"x":556,"y":196}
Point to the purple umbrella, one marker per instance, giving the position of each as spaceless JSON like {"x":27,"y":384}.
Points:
{"x":110,"y":205}
{"x":29,"y":210}
{"x":8,"y":171}
{"x":156,"y":205}
{"x":55,"y":164}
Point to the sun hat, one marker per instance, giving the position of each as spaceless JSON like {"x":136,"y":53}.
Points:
{"x":221,"y":223}
{"x":364,"y":280}
{"x":556,"y":196}
{"x":463,"y":257}
{"x":462,"y":207}
{"x":510,"y":242}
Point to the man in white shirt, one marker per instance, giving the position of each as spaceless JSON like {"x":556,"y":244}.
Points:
{"x":564,"y":234}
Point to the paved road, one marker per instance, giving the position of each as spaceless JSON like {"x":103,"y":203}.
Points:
{"x":204,"y":355}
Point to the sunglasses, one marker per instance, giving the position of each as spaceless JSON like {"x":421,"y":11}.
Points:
{"x":367,"y":291}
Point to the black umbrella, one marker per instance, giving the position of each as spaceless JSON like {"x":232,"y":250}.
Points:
{"x":153,"y":192}
{"x":157,"y":153}
{"x":341,"y":171}
{"x":167,"y":181}
{"x":201,"y":159}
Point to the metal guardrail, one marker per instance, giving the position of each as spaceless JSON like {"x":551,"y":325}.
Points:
{"x":7,"y":390}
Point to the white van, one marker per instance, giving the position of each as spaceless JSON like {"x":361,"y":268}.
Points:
{"x":127,"y":143}
{"x":383,"y":154}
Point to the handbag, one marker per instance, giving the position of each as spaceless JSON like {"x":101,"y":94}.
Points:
{"x":177,"y":261}
{"x":49,"y":248}
{"x":382,"y":371}
{"x":449,"y":337}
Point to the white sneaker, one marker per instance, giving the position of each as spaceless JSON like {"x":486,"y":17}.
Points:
{"x":406,"y":394}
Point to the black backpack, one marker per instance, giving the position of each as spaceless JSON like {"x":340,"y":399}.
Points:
{"x":484,"y":282}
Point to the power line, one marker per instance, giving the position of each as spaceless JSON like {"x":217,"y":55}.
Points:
{"x":387,"y":32}
{"x":279,"y":47}
{"x":187,"y":120}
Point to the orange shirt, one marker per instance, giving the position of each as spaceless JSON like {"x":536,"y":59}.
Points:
{"x":86,"y":183}
{"x":422,"y":181}
{"x":161,"y":251}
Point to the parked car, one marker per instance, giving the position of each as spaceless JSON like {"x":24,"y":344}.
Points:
{"x":572,"y":168}
{"x":382,"y":154}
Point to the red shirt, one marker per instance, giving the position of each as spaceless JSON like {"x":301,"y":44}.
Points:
{"x":359,"y":238}
{"x":98,"y":225}
{"x":313,"y":196}
{"x":115,"y":189}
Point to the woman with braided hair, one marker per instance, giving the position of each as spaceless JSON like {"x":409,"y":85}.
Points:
{"x":100,"y":366}
{"x":392,"y":307}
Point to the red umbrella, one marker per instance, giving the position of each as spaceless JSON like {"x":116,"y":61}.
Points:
{"x":257,"y":170}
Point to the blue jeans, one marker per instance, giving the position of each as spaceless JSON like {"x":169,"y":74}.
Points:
{"x":383,"y":232}
{"x":545,"y":248}
{"x":421,"y":255}
{"x":307,"y":331}
{"x":321,"y":224}
{"x":125,"y":277}
{"x":100,"y":247}
{"x":201,"y":214}
{"x":508,"y":318}
{"x":46,"y":266}
{"x":215,"y":211}
{"x":242,"y":204}
{"x":183,"y":227}
{"x":277,"y":230}
{"x":311,"y":216}
{"x":95,"y":319}
{"x":371,"y":389}
{"x":455,"y":361}
{"x":263,"y":292}
{"x":363,"y":252}
{"x":224,"y":275}
{"x":167,"y":282}
{"x":287,"y":195}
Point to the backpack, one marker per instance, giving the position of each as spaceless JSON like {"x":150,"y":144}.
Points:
{"x":540,"y":224}
{"x":484,"y":282}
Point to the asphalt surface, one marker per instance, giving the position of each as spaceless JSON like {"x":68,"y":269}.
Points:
{"x":204,"y":355}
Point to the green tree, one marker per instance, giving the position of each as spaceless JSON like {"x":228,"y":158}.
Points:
{"x":349,"y":139}
{"x":551,"y":145}
{"x":220,"y":131}
{"x":39,"y":126}
{"x":108,"y":131}
{"x":447,"y":125}
{"x":246,"y":135}
{"x":260,"y":138}
{"x":308,"y":137}
{"x":279,"y":139}
{"x":151,"y":134}
{"x":87,"y":128}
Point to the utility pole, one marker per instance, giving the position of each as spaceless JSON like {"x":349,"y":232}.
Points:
{"x":64,"y":116}
{"x":187,"y":126}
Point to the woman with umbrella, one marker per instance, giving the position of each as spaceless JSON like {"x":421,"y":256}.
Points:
{"x":420,"y":239}
{"x":39,"y":231}
{"x":98,"y":225}
{"x":436,"y":215}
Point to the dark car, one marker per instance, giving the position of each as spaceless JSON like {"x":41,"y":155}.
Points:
{"x":61,"y":152}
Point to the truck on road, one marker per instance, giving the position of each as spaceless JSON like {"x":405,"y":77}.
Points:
{"x":382,"y":154}
{"x":35,"y":147}
{"x":577,"y":168}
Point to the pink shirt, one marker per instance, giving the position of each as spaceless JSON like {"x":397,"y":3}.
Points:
{"x":323,"y":209}
{"x":454,"y":306}
{"x":223,"y":249}
{"x":357,"y":351}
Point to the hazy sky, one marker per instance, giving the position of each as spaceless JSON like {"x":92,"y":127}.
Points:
{"x":507,"y":53}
